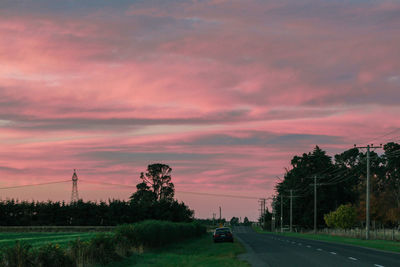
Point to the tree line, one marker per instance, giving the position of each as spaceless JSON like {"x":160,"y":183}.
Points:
{"x":153,"y":200}
{"x":341,"y":180}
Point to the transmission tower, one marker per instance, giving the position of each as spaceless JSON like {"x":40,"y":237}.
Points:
{"x":74,"y":194}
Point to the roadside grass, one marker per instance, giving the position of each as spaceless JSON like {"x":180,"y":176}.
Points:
{"x":200,"y":251}
{"x":42,"y":238}
{"x":375,"y":244}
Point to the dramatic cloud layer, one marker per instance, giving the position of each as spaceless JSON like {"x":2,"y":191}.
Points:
{"x":225,"y":92}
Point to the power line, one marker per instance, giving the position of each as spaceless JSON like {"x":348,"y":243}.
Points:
{"x":384,"y":135}
{"x":338,"y":178}
{"x":178,"y":191}
{"x":217,"y":195}
{"x":337,"y":174}
{"x":133,"y":186}
{"x":105,"y":183}
{"x":30,"y":185}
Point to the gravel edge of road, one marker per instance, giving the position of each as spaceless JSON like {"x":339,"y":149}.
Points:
{"x":250,"y":256}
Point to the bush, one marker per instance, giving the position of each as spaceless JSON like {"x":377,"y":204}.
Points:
{"x":20,"y":255}
{"x":102,"y":249}
{"x":344,"y":217}
{"x":123,"y":246}
{"x":125,"y":233}
{"x":78,"y":251}
{"x":52,"y":255}
{"x":330,"y":219}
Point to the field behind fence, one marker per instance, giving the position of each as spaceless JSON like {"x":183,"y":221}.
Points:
{"x":377,"y":234}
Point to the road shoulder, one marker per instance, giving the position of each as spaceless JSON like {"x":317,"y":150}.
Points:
{"x":250,"y":256}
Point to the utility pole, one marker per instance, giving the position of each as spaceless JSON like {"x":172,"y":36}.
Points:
{"x":291,"y":210}
{"x":315,"y":204}
{"x":220,"y":217}
{"x":264,"y":206}
{"x":262,"y":210}
{"x":214,"y":218}
{"x":281,"y":213}
{"x":367,"y":219}
{"x":273,"y":215}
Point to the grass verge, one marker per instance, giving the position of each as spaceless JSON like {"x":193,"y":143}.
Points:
{"x":385,"y":245}
{"x":194,"y":252}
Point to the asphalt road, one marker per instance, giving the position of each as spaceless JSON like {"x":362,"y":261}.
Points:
{"x":276,"y":250}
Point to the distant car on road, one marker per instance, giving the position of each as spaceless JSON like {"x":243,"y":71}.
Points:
{"x":223,"y":234}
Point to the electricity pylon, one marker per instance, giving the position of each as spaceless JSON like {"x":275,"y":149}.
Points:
{"x":74,"y":194}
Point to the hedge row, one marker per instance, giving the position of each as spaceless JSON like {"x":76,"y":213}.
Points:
{"x":103,"y":248}
{"x":151,"y":234}
{"x":99,"y":250}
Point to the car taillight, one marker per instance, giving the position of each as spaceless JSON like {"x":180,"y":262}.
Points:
{"x":216,"y":235}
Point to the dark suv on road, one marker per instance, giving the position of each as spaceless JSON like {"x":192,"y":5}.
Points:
{"x":223,"y":234}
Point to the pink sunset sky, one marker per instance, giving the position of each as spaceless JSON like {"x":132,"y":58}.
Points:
{"x":225,"y":92}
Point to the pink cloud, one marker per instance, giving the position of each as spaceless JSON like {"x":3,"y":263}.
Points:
{"x":224,"y":92}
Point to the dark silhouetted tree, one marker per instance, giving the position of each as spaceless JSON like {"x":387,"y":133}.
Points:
{"x":234,"y":221}
{"x":156,"y":180}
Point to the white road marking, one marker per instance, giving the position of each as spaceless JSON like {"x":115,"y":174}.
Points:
{"x":377,"y":265}
{"x":300,"y":244}
{"x":293,"y":242}
{"x":319,"y":249}
{"x":309,"y":246}
{"x":333,"y":253}
{"x":353,"y":259}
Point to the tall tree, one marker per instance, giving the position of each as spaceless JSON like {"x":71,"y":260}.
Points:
{"x":156,"y":184}
{"x":234,"y":221}
{"x":299,"y":179}
{"x":389,"y":184}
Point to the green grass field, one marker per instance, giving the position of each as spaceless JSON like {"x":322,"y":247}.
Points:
{"x":196,"y":252}
{"x":41,"y":238}
{"x":376,"y":244}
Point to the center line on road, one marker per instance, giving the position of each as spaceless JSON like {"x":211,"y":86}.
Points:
{"x":309,"y":246}
{"x":333,"y":253}
{"x":377,"y":265}
{"x":353,"y":259}
{"x":319,"y":249}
